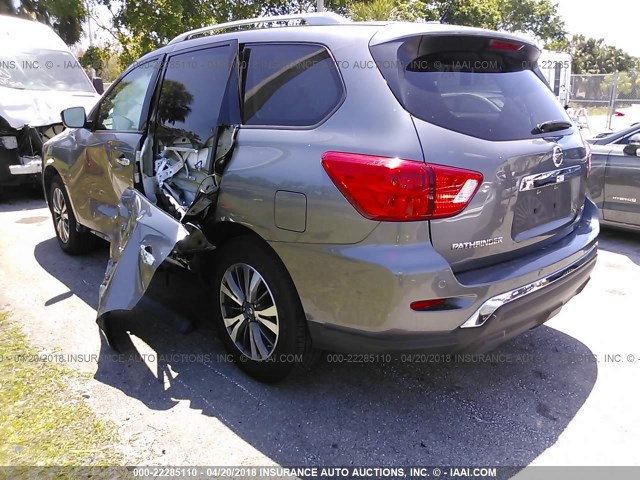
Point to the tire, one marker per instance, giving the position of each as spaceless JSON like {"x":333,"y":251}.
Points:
{"x":70,"y":240}
{"x":266,"y":307}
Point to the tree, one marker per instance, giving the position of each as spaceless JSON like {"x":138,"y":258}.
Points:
{"x":141,"y":26}
{"x":374,"y":10}
{"x":591,"y":55}
{"x":64,"y":16}
{"x":95,"y":58}
{"x":537,"y":17}
{"x":391,"y":10}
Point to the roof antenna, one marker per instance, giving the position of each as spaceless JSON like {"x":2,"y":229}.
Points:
{"x":445,"y":14}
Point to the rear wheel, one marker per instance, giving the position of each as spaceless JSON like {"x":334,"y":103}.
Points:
{"x":71,"y":241}
{"x":258,"y":312}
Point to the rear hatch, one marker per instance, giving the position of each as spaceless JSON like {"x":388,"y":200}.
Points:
{"x":479,"y":103}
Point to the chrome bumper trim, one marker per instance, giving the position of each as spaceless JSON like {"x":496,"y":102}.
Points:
{"x":488,"y":308}
{"x":30,"y":166}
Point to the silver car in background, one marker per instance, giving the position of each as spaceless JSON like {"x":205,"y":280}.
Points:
{"x":355,"y":187}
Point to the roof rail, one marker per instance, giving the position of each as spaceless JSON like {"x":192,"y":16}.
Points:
{"x":318,"y":18}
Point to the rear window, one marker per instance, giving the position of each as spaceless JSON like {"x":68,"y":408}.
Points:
{"x":473,"y":85}
{"x":289,"y":85}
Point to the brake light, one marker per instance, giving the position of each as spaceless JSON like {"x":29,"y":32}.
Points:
{"x":505,"y":46}
{"x":588,"y":148}
{"x":395,"y":190}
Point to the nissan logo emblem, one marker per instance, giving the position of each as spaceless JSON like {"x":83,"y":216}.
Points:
{"x":558,"y":156}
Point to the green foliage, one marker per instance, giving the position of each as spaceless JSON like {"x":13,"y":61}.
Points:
{"x":94,"y":58}
{"x":65,"y":16}
{"x":538,"y":17}
{"x":374,"y":10}
{"x":391,"y":10}
{"x":141,"y":26}
{"x":112,"y":67}
{"x":592,"y":55}
{"x":476,"y":13}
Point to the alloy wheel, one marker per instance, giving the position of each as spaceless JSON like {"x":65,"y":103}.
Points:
{"x":249,"y":312}
{"x":60,"y":215}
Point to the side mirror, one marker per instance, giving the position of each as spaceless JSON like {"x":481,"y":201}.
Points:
{"x":98,"y":85}
{"x":633,"y":147}
{"x":633,"y":150}
{"x":634,"y":140}
{"x":74,"y":117}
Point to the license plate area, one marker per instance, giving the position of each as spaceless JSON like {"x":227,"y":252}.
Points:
{"x":549,"y":206}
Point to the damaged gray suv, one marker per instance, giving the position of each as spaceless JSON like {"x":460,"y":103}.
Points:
{"x":353,"y":187}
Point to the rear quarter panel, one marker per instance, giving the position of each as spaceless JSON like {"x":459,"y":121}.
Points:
{"x":267,"y":160}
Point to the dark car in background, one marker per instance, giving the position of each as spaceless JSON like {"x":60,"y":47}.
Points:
{"x":614,"y":184}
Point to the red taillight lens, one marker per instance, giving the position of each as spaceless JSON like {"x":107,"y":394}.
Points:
{"x":390,"y":189}
{"x":588,"y":148}
{"x":421,"y":305}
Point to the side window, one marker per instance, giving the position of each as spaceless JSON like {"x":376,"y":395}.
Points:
{"x":121,"y":109}
{"x":190,"y":100}
{"x":289,"y":84}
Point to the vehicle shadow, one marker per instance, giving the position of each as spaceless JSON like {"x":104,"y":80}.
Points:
{"x":502,"y":409}
{"x":27,"y":197}
{"x":621,"y":241}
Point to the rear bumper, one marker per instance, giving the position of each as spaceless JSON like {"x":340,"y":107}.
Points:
{"x":520,"y":310}
{"x":357,"y":297}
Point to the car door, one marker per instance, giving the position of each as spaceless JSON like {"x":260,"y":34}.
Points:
{"x":197,"y":95}
{"x":110,"y":146}
{"x":622,"y":187}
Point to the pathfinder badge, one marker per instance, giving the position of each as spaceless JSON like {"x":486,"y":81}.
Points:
{"x":478,"y":243}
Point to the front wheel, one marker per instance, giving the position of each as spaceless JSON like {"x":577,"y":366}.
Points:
{"x":258,"y":312}
{"x":71,"y":240}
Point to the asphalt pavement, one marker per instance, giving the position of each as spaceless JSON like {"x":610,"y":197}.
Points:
{"x":565,"y":393}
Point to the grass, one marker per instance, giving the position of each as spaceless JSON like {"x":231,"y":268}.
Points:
{"x":42,"y":421}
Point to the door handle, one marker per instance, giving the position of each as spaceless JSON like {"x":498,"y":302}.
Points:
{"x":124,"y":161}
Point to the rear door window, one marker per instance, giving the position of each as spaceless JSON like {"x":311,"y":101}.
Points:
{"x":295,"y":85}
{"x":473,"y":85}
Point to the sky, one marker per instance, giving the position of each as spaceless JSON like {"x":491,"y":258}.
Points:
{"x":614,"y":20}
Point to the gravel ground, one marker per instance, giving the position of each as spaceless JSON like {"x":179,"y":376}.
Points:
{"x":177,"y":401}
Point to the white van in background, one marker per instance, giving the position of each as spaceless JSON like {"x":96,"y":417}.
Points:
{"x":556,"y":69}
{"x":39,"y":77}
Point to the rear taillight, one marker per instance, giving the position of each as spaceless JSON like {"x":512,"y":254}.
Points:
{"x":588,"y":148}
{"x":395,"y":190}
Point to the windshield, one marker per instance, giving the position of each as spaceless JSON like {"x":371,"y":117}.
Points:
{"x":43,"y":70}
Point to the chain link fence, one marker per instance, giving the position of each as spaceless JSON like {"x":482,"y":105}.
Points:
{"x":605,"y":102}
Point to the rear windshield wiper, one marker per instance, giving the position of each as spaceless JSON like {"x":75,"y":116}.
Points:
{"x":551,"y":126}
